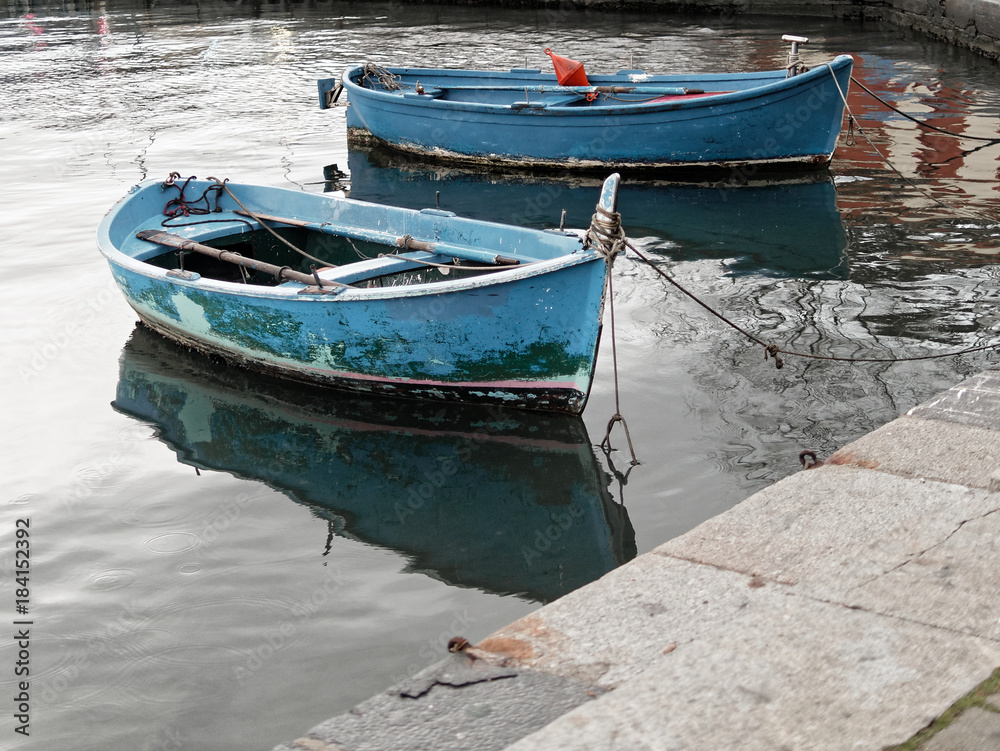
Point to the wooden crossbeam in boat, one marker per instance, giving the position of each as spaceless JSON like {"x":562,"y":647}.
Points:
{"x":411,"y":243}
{"x":280,"y":273}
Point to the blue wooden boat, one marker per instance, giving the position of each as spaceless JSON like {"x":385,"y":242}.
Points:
{"x":507,"y":501}
{"x":365,"y":297}
{"x":631,"y":119}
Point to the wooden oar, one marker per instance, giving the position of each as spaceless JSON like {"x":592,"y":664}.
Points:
{"x":384,"y":238}
{"x":581,"y":90}
{"x":280,"y":273}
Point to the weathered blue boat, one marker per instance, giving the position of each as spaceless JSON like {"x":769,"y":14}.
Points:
{"x":631,"y":119}
{"x":365,"y":297}
{"x":507,"y":501}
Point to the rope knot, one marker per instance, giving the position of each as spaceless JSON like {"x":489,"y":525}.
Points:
{"x":772,"y":350}
{"x":606,"y":234}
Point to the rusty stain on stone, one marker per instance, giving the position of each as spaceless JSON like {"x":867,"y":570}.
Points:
{"x":521,"y":642}
{"x":846,"y":457}
{"x":514,"y":649}
{"x":315,"y":744}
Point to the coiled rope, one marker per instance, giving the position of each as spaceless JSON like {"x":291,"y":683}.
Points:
{"x":377,"y":76}
{"x":605,"y":233}
{"x":182,"y":206}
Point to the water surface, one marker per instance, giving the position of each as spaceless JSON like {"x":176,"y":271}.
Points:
{"x":211,"y":546}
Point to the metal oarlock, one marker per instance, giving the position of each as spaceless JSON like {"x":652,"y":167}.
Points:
{"x":795,"y":65}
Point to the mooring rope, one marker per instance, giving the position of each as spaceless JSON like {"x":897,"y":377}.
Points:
{"x":921,"y":123}
{"x":853,"y":122}
{"x":772,"y":350}
{"x":604,"y":230}
{"x":617,"y":416}
{"x":607,"y":237}
{"x":883,"y":157}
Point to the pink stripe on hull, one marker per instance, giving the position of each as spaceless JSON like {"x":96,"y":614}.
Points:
{"x":446,"y":384}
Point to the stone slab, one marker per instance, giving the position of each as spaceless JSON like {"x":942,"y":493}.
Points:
{"x":615,"y":628}
{"x":832,"y":529}
{"x":974,"y":730}
{"x":951,"y":585}
{"x":803,"y":675}
{"x":455,"y":705}
{"x":930,"y":449}
{"x":982,"y":16}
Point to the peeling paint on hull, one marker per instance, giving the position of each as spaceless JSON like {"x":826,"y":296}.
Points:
{"x":363,"y":137}
{"x":534,"y":397}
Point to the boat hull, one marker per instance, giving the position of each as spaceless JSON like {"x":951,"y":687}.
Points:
{"x":525,"y":337}
{"x":762,"y":120}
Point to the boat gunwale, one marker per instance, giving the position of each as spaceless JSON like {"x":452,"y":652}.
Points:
{"x":294,"y":290}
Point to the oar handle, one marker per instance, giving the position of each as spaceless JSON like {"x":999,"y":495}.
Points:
{"x":581,"y":90}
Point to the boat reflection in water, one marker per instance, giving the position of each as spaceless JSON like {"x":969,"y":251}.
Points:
{"x":509,"y":502}
{"x":775,"y":226}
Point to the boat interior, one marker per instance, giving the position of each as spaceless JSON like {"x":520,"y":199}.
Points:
{"x":356,"y":245}
{"x":370,"y":263}
{"x":530,"y":88}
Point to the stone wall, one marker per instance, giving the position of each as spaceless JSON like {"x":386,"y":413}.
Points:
{"x":974,"y":24}
{"x":967,"y":23}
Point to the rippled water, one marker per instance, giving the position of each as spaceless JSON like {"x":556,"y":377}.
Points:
{"x":209,"y":546}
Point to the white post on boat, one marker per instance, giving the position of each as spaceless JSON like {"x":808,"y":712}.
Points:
{"x":794,"y":66}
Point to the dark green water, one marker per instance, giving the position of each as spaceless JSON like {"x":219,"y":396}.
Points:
{"x":220,"y":562}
